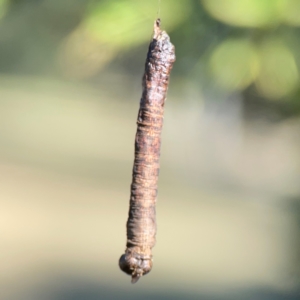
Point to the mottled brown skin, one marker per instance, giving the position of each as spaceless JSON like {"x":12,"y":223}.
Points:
{"x":141,"y":223}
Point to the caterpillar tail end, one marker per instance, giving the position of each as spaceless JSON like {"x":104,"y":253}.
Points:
{"x":135,"y":265}
{"x":157,"y":30}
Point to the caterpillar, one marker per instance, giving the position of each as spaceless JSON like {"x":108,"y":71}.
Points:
{"x":141,"y":224}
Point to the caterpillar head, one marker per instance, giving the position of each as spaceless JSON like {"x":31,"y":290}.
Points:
{"x":135,"y":265}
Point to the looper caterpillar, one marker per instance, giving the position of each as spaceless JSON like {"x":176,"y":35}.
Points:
{"x":141,"y":223}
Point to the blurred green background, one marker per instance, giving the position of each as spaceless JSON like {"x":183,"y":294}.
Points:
{"x":229,"y":196}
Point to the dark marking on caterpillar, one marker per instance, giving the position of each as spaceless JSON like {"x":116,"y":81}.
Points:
{"x":141,"y":224}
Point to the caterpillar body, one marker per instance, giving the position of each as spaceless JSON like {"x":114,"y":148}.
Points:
{"x":141,"y":224}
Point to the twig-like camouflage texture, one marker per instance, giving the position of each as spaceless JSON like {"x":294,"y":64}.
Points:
{"x":141,"y":223}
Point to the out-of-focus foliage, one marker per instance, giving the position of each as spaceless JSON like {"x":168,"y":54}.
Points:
{"x":241,"y":58}
{"x":278,"y":70}
{"x":236,"y":64}
{"x":262,"y":55}
{"x":3,"y":7}
{"x":291,"y":10}
{"x":113,"y":26}
{"x":125,"y":23}
{"x":254,"y":13}
{"x":225,"y":45}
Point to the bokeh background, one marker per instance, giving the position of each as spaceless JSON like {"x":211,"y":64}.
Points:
{"x":229,"y":194}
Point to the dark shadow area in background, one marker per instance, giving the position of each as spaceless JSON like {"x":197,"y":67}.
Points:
{"x":83,"y":290}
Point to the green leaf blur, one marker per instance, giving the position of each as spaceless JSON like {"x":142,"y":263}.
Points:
{"x":247,"y":13}
{"x":221,"y":45}
{"x":3,"y":7}
{"x":125,"y":23}
{"x":235,"y":64}
{"x":279,"y":74}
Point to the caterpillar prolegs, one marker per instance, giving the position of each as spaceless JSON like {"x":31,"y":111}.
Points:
{"x":141,"y":223}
